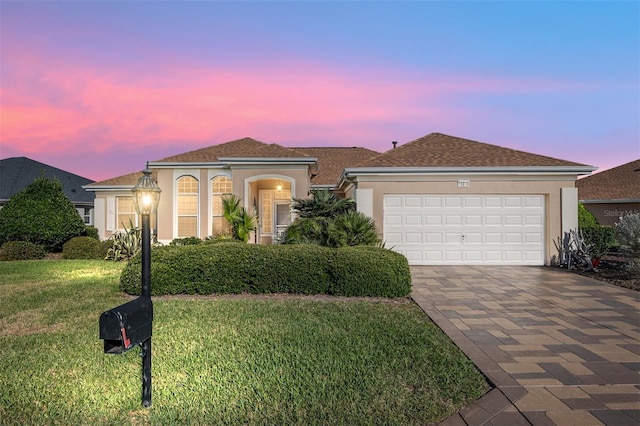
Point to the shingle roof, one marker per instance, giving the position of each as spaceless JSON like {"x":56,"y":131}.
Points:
{"x":331,"y":161}
{"x":241,"y":148}
{"x":18,"y":172}
{"x":619,"y":183}
{"x":124,"y":180}
{"x":439,"y":150}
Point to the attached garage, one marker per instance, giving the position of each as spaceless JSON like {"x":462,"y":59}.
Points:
{"x":443,"y":200}
{"x":442,"y":229}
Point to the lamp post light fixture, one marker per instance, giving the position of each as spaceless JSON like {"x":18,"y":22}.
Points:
{"x":146,"y":196}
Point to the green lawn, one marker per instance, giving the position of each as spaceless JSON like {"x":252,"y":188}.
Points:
{"x":215,"y":361}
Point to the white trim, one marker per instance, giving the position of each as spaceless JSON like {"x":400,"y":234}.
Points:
{"x":353,"y":172}
{"x":211,"y":175}
{"x":247,"y":181}
{"x":177,"y":174}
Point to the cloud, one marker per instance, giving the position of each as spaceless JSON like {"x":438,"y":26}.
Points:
{"x":59,"y":104}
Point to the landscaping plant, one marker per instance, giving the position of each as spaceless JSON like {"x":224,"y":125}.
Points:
{"x":21,"y":250}
{"x":628,"y":235}
{"x":124,"y":244}
{"x":241,"y":222}
{"x":328,"y":220}
{"x":252,"y":268}
{"x":40,"y":214}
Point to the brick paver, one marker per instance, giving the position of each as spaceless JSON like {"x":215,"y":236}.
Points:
{"x":559,"y":348}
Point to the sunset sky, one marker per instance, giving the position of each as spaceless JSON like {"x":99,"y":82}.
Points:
{"x":97,"y":88}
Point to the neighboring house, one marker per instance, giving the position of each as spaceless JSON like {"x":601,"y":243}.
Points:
{"x":613,"y":193}
{"x":18,"y":172}
{"x":438,"y":199}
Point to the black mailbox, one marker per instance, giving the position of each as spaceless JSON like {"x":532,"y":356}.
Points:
{"x":126,"y":325}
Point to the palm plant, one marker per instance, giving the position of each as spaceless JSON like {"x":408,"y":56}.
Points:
{"x":352,"y":229}
{"x":241,"y":221}
{"x":328,"y":220}
{"x":323,"y":203}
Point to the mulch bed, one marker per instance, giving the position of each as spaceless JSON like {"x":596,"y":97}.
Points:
{"x":613,"y":270}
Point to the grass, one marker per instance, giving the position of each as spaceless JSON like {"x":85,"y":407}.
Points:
{"x":220,"y":361}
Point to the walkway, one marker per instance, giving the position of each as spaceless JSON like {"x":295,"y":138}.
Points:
{"x":560,"y":349}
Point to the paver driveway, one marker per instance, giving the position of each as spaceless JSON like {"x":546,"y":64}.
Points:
{"x":560,"y":349}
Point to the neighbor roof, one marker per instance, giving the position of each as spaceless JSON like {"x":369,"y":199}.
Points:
{"x":332,"y":161}
{"x":16,"y":173}
{"x":619,"y":183}
{"x":439,"y":150}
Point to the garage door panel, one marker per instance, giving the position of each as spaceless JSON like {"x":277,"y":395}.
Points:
{"x":459,"y":229}
{"x":413,"y":220}
{"x":512,"y":220}
{"x":433,"y":219}
{"x":413,"y":238}
{"x":453,"y":220}
{"x":393,"y":201}
{"x":433,"y":237}
{"x":473,"y":220}
{"x":492,"y":220}
{"x":413,"y":202}
{"x":453,"y":201}
{"x":393,"y":220}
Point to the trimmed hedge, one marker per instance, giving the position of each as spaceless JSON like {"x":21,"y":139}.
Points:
{"x":21,"y":250}
{"x":248,"y":268}
{"x":84,"y":248}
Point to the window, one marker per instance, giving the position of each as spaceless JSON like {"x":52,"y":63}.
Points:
{"x":220,"y":186}
{"x":187,"y":207}
{"x":87,"y":216}
{"x":126,"y":217}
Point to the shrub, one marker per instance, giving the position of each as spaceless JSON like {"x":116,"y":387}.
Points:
{"x":21,"y":250}
{"x":370,"y":271}
{"x":92,"y":232}
{"x":124,"y":244}
{"x":585,"y":217}
{"x":83,"y":248}
{"x":187,"y":241}
{"x":303,"y":269}
{"x":628,"y":235}
{"x":40,"y":214}
{"x":599,"y":238}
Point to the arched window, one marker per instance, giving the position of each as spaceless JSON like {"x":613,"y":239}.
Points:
{"x":187,"y":207}
{"x":220,"y":186}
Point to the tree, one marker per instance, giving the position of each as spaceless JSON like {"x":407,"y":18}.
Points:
{"x":40,"y":214}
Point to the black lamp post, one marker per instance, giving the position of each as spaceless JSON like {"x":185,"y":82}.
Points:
{"x":146,"y":196}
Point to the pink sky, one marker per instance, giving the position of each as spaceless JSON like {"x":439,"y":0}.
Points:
{"x":100,"y":118}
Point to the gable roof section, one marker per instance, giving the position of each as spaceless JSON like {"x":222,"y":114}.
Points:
{"x":16,"y":173}
{"x":620,"y":183}
{"x":439,"y":150}
{"x":332,"y":161}
{"x":240,"y":148}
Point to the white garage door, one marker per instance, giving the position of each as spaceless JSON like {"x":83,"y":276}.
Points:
{"x":466,"y":229}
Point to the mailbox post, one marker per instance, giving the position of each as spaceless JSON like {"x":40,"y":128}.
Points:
{"x":130,"y":324}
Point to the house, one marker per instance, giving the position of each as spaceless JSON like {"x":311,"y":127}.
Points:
{"x":438,"y":200}
{"x":18,"y":172}
{"x":613,"y":193}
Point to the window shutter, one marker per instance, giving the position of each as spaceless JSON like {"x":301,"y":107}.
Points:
{"x":111,"y":213}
